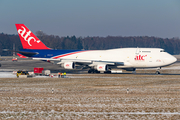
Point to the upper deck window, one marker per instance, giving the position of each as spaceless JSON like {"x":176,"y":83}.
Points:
{"x":146,"y":51}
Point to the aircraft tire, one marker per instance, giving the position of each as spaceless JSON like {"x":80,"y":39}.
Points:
{"x":95,"y":71}
{"x":90,"y":71}
{"x":157,"y":73}
{"x":107,"y":72}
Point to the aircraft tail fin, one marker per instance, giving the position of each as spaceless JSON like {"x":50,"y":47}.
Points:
{"x":28,"y":39}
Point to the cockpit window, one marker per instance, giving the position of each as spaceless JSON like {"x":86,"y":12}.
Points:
{"x":161,"y":50}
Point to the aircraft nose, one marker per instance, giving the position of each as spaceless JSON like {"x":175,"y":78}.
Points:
{"x":170,"y":60}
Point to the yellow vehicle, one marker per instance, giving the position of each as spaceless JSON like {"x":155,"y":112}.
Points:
{"x":22,"y":72}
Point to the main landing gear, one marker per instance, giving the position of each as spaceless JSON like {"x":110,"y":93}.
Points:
{"x":96,"y":71}
{"x":158,"y":71}
{"x":93,"y":71}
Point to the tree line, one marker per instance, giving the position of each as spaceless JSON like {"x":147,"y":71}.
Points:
{"x":172,"y":45}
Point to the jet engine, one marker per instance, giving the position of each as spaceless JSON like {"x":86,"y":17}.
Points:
{"x":101,"y":67}
{"x":68,"y":65}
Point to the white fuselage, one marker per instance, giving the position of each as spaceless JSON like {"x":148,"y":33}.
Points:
{"x":131,"y":57}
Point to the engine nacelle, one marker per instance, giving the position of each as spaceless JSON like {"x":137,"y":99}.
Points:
{"x":69,"y":65}
{"x":102,"y":67}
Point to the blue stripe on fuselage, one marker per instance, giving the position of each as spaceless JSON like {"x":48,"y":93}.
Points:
{"x":48,"y":53}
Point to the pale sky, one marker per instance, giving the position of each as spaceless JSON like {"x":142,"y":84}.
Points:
{"x":159,"y":18}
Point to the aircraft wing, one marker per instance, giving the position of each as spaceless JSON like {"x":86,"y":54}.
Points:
{"x":80,"y":62}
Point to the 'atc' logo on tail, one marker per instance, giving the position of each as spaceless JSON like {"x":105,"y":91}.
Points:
{"x":27,"y":35}
{"x":28,"y":39}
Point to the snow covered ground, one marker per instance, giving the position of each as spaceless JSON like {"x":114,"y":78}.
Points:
{"x":91,"y":96}
{"x":11,"y":75}
{"x":7,"y":75}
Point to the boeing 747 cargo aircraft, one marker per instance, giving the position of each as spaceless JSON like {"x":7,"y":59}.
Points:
{"x":95,"y":60}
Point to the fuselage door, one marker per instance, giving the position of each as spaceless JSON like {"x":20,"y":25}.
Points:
{"x":137,"y":51}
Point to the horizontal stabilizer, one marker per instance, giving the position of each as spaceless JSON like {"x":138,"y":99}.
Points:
{"x":21,"y":56}
{"x":27,"y":54}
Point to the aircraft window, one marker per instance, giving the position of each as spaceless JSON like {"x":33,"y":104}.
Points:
{"x":162,"y":51}
{"x":146,"y":51}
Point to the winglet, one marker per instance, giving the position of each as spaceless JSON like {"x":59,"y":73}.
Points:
{"x":28,"y":39}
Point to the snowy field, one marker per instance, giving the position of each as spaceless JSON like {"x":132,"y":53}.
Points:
{"x":7,"y":75}
{"x":91,"y":96}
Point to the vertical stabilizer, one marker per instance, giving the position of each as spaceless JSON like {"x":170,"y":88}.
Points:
{"x":28,"y":39}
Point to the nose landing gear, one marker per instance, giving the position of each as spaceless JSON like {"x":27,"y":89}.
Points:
{"x":158,"y":71}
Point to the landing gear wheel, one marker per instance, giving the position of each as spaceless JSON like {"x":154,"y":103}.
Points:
{"x":93,"y":71}
{"x":107,"y":72}
{"x":90,"y":71}
{"x":157,"y":73}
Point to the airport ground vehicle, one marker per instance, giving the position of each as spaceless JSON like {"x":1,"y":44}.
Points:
{"x":22,"y":72}
{"x":14,"y":59}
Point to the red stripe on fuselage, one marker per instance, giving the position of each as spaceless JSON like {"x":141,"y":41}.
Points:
{"x":67,"y":54}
